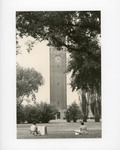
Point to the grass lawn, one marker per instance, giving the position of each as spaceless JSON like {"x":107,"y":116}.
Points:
{"x":60,"y":129}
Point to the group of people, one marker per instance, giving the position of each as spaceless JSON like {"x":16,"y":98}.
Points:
{"x":81,"y":130}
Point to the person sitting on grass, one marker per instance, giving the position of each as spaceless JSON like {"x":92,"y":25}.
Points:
{"x":82,"y":130}
{"x":34,"y":129}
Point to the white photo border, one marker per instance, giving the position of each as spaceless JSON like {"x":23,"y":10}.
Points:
{"x":110,"y":74}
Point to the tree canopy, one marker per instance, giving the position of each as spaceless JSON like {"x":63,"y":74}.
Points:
{"x":78,"y":31}
{"x":28,"y":82}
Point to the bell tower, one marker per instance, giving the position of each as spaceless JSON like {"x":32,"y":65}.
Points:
{"x":58,"y":80}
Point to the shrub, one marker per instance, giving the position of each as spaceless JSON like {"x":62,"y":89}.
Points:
{"x":48,"y":112}
{"x":31,"y":114}
{"x":73,"y":112}
{"x":20,"y":113}
{"x":68,"y":116}
{"x":42,"y":112}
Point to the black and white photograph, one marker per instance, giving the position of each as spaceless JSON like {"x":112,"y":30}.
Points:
{"x":58,"y":68}
{"x":59,"y":75}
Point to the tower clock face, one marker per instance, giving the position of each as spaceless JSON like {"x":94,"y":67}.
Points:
{"x":58,"y":58}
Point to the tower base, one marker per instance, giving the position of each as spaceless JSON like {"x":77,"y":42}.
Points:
{"x":61,"y":114}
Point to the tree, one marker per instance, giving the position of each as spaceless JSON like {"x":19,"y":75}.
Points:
{"x":28,"y":81}
{"x":96,"y":106}
{"x":84,"y":107}
{"x":78,"y":31}
{"x":73,"y":112}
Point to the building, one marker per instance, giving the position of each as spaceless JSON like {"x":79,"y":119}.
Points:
{"x":58,"y":96}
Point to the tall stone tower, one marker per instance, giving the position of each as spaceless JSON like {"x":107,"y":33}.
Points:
{"x":58,"y":80}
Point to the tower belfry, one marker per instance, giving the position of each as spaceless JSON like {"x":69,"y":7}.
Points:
{"x":58,"y":80}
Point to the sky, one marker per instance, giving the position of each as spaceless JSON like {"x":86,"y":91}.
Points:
{"x":38,"y":59}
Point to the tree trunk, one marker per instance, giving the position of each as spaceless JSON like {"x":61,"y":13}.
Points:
{"x":97,"y":119}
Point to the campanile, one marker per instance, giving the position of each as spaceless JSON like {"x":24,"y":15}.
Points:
{"x":58,"y":80}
